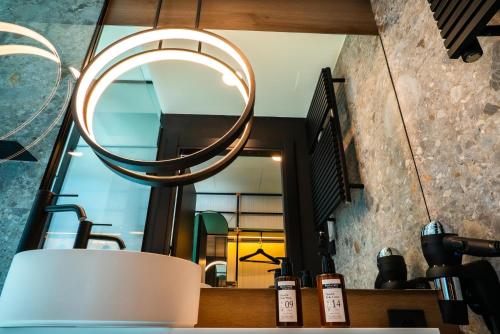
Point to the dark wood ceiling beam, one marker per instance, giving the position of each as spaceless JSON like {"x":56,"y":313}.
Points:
{"x":313,"y":16}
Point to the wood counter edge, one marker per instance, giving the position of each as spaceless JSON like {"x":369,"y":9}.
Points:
{"x":255,"y":308}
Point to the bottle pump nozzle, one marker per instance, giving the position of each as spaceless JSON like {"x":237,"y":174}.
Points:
{"x":286,"y":266}
{"x":327,"y":264}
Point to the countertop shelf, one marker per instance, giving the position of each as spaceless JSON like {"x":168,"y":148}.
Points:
{"x":150,"y":330}
{"x":255,"y":308}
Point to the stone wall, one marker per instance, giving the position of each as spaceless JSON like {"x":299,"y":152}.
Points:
{"x":25,"y":81}
{"x":390,"y":210}
{"x":450,"y":109}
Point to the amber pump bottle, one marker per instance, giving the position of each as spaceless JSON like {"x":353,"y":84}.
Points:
{"x":331,"y":294}
{"x":288,"y":297}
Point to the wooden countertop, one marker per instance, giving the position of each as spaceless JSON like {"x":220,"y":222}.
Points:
{"x":254,"y":308}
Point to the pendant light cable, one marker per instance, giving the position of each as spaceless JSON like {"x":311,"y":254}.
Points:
{"x":197,"y":20}
{"x":406,"y":131}
{"x":157,"y":19}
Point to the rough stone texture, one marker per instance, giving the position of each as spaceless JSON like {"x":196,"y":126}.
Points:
{"x":456,"y":144}
{"x":24,"y":83}
{"x":450,"y":109}
{"x":390,"y":210}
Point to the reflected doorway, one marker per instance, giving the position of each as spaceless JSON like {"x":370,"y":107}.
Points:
{"x":248,"y":198}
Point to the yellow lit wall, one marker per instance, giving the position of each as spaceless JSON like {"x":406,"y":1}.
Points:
{"x":253,"y":275}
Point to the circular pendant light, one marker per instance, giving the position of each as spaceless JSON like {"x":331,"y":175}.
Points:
{"x":96,"y":78}
{"x":49,"y":52}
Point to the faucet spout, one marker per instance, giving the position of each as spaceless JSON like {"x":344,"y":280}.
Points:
{"x":83,"y":235}
{"x":107,"y":237}
{"x":80,"y":212}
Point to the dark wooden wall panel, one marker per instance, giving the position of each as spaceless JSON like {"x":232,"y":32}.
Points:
{"x":131,"y":12}
{"x":318,"y":16}
{"x":314,"y":16}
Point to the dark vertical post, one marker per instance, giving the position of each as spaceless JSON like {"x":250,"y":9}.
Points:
{"x":293,"y":231}
{"x":238,"y":196}
{"x":36,"y":226}
{"x":160,"y":216}
{"x":83,"y":235}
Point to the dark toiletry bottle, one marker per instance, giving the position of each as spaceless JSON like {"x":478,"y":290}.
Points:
{"x":331,"y":295}
{"x":288,"y":297}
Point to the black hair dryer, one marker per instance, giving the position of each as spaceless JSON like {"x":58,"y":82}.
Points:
{"x":475,"y":284}
{"x":392,"y":273}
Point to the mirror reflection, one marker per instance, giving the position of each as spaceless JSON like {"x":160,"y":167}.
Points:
{"x":303,"y":170}
{"x":239,"y":222}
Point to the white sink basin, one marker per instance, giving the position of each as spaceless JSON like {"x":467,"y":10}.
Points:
{"x":100,"y":288}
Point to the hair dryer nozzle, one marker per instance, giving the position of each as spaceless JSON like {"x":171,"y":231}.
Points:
{"x":454,"y":312}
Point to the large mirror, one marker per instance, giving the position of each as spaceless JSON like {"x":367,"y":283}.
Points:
{"x":265,"y":204}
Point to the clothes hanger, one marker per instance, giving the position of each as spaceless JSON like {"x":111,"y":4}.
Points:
{"x":260,"y":251}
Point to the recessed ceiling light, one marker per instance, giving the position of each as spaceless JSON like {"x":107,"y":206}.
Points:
{"x":75,"y":153}
{"x":276,"y":157}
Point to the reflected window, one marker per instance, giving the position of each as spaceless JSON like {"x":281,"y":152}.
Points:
{"x":126,"y":122}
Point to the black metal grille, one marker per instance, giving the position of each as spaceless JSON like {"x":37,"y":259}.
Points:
{"x":330,"y":184}
{"x":461,"y":21}
{"x":318,"y":110}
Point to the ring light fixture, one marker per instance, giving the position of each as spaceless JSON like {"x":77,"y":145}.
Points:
{"x":49,"y":53}
{"x":215,"y":263}
{"x":98,"y":75}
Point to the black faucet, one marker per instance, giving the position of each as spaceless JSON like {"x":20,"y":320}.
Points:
{"x":108,"y":237}
{"x":83,"y":235}
{"x":80,"y":212}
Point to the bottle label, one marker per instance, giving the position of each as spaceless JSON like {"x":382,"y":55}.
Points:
{"x":333,"y":300}
{"x":287,"y":302}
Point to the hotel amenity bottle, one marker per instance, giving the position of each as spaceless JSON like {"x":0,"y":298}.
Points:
{"x":288,"y":297}
{"x":331,"y":294}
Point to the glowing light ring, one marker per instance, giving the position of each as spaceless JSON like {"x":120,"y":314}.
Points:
{"x":93,"y":83}
{"x":53,"y":55}
{"x":114,"y":72}
{"x":211,"y":264}
{"x":149,"y":57}
{"x":63,"y":108}
{"x":182,"y":179}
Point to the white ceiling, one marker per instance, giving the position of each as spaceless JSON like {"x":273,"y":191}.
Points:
{"x":286,"y":66}
{"x":245,"y":175}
